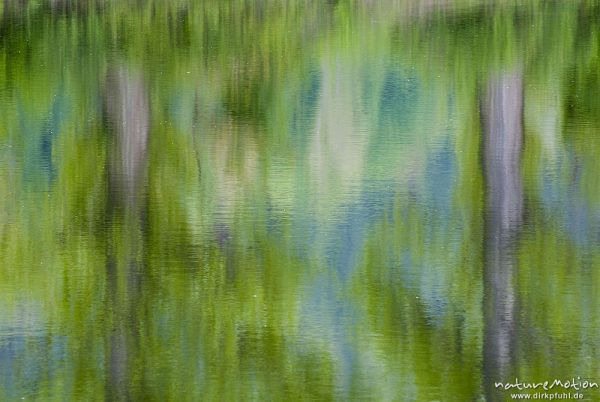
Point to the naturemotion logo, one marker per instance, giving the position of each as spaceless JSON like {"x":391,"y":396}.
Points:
{"x":573,"y":383}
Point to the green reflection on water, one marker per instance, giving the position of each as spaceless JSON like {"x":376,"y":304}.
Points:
{"x":251,"y":200}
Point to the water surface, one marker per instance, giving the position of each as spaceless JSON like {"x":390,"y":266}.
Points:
{"x":299,"y":200}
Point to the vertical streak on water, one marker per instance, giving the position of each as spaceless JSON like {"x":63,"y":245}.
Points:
{"x":502,"y":121}
{"x":128,"y":113}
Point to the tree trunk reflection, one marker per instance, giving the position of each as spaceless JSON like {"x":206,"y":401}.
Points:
{"x":128,"y":115}
{"x":502,"y":115}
